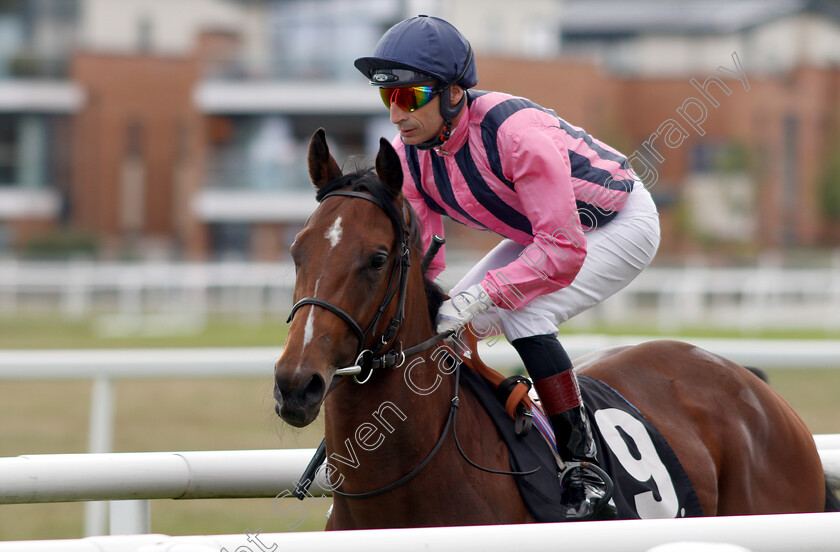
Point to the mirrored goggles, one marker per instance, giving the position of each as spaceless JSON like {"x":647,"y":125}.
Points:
{"x":409,"y":98}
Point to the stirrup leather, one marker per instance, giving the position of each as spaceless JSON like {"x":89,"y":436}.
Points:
{"x":511,"y":392}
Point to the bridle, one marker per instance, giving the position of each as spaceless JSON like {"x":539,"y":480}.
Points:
{"x":368,"y":359}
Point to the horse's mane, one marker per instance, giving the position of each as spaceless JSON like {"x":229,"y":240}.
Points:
{"x":365,"y":179}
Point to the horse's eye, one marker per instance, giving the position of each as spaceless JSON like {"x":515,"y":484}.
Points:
{"x":378,"y":261}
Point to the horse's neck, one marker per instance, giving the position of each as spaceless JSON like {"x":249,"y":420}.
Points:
{"x":392,"y":421}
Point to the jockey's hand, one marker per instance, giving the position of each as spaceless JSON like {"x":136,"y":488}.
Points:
{"x":462,"y":308}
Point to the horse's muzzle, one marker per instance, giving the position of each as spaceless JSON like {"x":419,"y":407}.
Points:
{"x":298,"y":398}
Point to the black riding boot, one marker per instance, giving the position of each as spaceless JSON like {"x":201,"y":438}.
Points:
{"x":585,"y":492}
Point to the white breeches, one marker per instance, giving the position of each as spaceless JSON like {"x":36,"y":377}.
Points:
{"x":615,"y":254}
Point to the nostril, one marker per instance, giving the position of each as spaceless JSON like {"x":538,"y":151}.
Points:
{"x":298,"y":397}
{"x":314,"y":391}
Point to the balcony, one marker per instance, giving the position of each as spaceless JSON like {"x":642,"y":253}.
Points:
{"x":287,"y":98}
{"x":40,"y":96}
{"x":220,"y":205}
{"x":25,"y":203}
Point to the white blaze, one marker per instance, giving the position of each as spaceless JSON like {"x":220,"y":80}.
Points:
{"x":309,"y":328}
{"x":334,"y":232}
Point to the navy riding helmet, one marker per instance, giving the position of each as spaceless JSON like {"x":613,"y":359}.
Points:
{"x":416,"y":49}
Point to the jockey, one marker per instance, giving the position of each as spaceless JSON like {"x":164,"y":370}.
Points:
{"x":577,"y":223}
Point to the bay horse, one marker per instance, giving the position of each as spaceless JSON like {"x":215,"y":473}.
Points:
{"x":360,"y":296}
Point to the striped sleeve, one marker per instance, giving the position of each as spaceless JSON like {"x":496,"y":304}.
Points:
{"x":538,"y":164}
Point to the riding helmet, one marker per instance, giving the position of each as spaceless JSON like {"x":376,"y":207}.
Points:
{"x":414,"y":49}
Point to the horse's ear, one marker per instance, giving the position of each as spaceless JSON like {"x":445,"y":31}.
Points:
{"x":388,"y":166}
{"x":322,"y":166}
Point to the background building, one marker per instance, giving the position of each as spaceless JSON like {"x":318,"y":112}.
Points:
{"x":149,"y":128}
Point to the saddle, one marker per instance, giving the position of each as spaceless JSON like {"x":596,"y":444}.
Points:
{"x":649,"y":480}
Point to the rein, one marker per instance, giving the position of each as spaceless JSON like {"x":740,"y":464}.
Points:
{"x":369,"y":358}
{"x":450,"y":422}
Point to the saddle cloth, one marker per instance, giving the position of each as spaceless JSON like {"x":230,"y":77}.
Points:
{"x":649,"y":480}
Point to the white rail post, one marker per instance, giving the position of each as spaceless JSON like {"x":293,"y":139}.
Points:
{"x":130,"y":517}
{"x":8,"y":286}
{"x":667,"y":307}
{"x":832,"y":316}
{"x":77,"y":290}
{"x":100,"y":439}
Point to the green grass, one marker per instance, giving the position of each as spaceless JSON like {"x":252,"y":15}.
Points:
{"x":52,"y":417}
{"x":38,"y":332}
{"x":707,"y":332}
{"x":46,"y":332}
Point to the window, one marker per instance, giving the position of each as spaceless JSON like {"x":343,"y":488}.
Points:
{"x":24,"y":150}
{"x":718,"y":157}
{"x":8,"y":150}
{"x":230,"y":240}
{"x":256,"y":153}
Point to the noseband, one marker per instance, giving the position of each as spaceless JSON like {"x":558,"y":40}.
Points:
{"x":369,"y":358}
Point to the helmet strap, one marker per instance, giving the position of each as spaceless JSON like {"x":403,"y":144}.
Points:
{"x":448,"y":112}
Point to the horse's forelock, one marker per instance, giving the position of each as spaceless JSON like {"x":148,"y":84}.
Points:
{"x":365,"y":179}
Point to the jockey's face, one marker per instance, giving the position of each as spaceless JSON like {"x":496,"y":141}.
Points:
{"x":425,"y":123}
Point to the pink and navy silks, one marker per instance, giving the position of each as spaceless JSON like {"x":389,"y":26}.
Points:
{"x":517,"y":169}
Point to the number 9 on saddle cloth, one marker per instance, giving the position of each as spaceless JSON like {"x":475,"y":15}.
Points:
{"x":649,"y":480}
